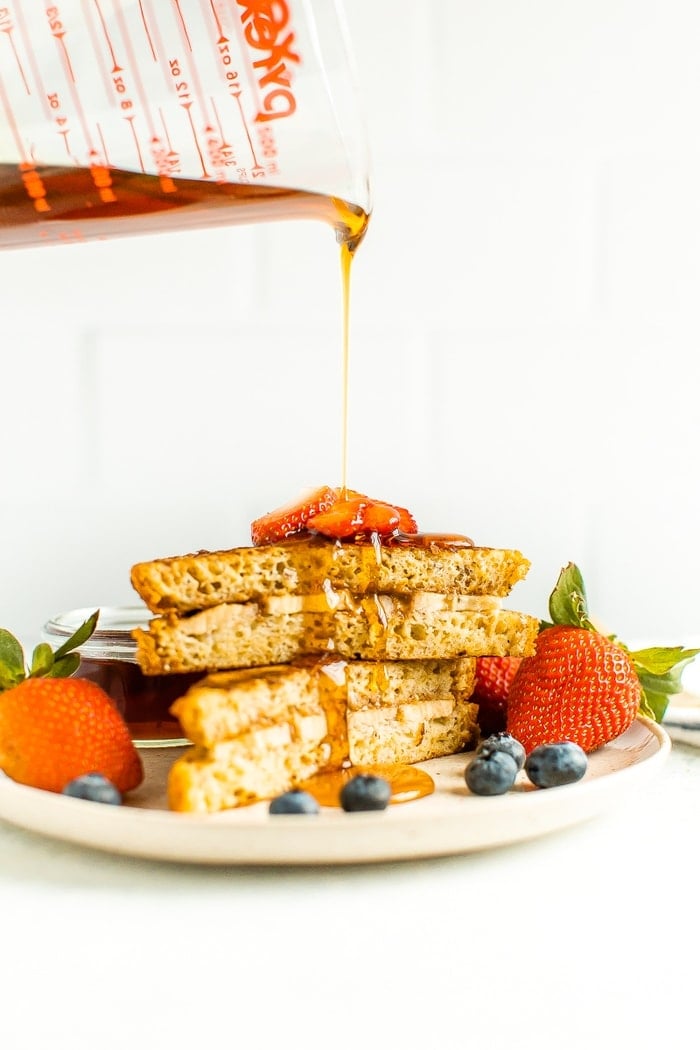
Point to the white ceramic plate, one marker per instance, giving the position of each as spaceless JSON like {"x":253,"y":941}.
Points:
{"x":450,"y":821}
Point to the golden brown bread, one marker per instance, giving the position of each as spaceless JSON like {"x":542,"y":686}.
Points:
{"x":260,"y":733}
{"x":206,"y":579}
{"x":383,"y":627}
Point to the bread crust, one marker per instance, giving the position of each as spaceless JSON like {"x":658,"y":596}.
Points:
{"x":210,"y":578}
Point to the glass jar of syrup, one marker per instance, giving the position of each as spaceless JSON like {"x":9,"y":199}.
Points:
{"x":108,"y":658}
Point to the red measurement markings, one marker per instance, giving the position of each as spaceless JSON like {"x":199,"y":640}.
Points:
{"x":7,"y":27}
{"x":89,"y":20}
{"x":244,"y":51}
{"x":233,"y":80}
{"x":257,"y":170}
{"x":217,"y":20}
{"x":220,"y":151}
{"x":199,"y":95}
{"x":116,"y":68}
{"x":183,"y":25}
{"x":33,"y":64}
{"x":130,"y":121}
{"x":229,"y":72}
{"x":153,"y":32}
{"x":166,"y":159}
{"x":147,"y":31}
{"x":119,"y":76}
{"x":33,"y":185}
{"x":184,"y":95}
{"x":156,"y":146}
{"x":58,"y":31}
{"x":60,"y":119}
{"x":105,"y":154}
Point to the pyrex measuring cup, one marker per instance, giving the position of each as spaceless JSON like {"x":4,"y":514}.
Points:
{"x":131,"y":116}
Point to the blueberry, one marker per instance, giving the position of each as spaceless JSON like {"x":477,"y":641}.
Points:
{"x":94,"y":787}
{"x":294,"y":801}
{"x":365,"y":792}
{"x":491,"y":774}
{"x":551,"y":765}
{"x":506,"y":743}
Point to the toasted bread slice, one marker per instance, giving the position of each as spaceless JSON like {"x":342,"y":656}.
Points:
{"x":258,"y":764}
{"x":383,"y":628}
{"x":227,"y":703}
{"x":200,"y":581}
{"x":260,"y":733}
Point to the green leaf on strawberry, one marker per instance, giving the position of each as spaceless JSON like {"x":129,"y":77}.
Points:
{"x":658,"y":668}
{"x":79,"y":636}
{"x":65,"y":667}
{"x":660,"y":671}
{"x":568,"y":605}
{"x":11,"y":660}
{"x":45,"y":662}
{"x":42,"y":660}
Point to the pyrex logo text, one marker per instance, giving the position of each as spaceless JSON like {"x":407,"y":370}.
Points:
{"x":265,"y":24}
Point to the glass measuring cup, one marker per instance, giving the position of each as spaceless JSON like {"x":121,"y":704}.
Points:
{"x":134,"y":116}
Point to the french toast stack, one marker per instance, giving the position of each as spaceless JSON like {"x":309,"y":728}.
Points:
{"x":318,"y":655}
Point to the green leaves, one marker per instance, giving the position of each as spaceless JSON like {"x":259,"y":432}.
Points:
{"x":78,"y":637}
{"x":11,"y":660}
{"x":568,"y":605}
{"x":660,"y":671}
{"x":45,"y":663}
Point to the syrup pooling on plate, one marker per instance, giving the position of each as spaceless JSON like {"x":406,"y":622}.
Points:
{"x":407,"y":783}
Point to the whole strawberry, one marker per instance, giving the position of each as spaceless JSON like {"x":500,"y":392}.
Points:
{"x":582,"y":685}
{"x":492,"y":680}
{"x":579,"y":686}
{"x":55,"y":729}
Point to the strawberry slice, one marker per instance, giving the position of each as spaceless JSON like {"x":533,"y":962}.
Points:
{"x":344,"y":519}
{"x":357,"y":514}
{"x":292,"y":517}
{"x":407,"y":523}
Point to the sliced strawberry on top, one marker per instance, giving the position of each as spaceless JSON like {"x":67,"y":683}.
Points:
{"x":344,"y":519}
{"x":407,"y":523}
{"x":381,"y":518}
{"x":293,"y":517}
{"x":354,"y":514}
{"x":385,"y":518}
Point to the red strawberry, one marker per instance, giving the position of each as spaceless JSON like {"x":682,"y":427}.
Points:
{"x":55,"y":729}
{"x":579,"y":686}
{"x":354,"y":514}
{"x":344,"y":519}
{"x":583,"y":686}
{"x":385,"y":518}
{"x":493,"y":676}
{"x":292,"y":518}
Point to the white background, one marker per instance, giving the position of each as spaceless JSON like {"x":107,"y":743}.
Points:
{"x":524,"y":370}
{"x":524,"y":330}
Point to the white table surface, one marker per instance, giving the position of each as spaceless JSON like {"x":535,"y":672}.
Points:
{"x":585,"y":938}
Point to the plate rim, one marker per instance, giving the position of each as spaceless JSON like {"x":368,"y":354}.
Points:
{"x":333,"y":837}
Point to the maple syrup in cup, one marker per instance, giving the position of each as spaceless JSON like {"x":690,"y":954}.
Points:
{"x":108,"y":658}
{"x":121,"y":119}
